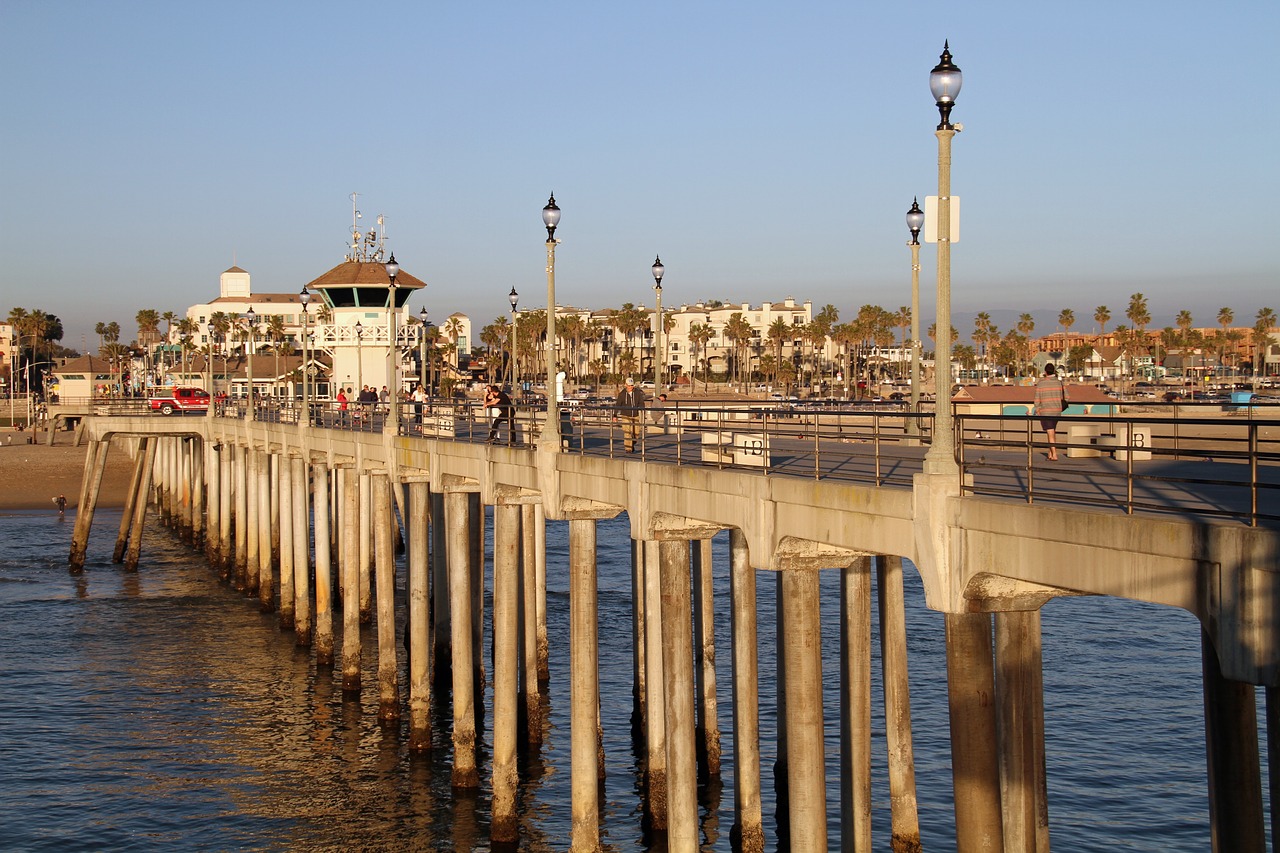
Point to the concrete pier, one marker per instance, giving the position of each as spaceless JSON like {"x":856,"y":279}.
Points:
{"x":419,"y":616}
{"x":465,"y":774}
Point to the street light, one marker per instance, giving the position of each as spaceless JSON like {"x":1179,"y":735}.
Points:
{"x":252,"y":318}
{"x":551,"y":435}
{"x":393,"y":366}
{"x":944,"y":83}
{"x":359,"y":361}
{"x":915,"y":221}
{"x":422,"y":344}
{"x":305,"y":298}
{"x":658,"y":271}
{"x":514,"y":299}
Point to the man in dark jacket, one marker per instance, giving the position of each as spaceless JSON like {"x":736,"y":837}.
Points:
{"x":630,"y":407}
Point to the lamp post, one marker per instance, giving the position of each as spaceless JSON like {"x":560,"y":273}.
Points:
{"x":305,"y":298}
{"x":252,"y":318}
{"x":915,"y":221}
{"x":393,"y":362}
{"x":658,"y":352}
{"x":551,"y":433}
{"x":944,"y":83}
{"x":422,"y":354}
{"x":514,"y":299}
{"x":359,"y":361}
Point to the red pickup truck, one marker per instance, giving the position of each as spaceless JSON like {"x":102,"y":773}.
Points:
{"x":180,"y":400}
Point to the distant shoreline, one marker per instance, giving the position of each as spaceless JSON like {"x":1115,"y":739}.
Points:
{"x":32,"y":475}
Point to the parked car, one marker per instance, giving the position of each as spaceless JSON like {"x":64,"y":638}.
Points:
{"x":171,"y":400}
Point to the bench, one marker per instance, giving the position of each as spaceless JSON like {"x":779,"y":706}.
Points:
{"x":1124,"y":443}
{"x":735,"y":448}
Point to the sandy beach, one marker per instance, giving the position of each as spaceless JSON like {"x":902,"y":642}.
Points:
{"x":32,"y":475}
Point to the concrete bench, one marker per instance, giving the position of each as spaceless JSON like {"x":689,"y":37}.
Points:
{"x":1123,"y":443}
{"x":1082,"y":440}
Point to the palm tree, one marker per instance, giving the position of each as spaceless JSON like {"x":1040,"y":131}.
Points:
{"x":778,"y":333}
{"x":699,"y":335}
{"x":1066,"y":319}
{"x":186,"y":329}
{"x":738,"y":332}
{"x":1026,"y":325}
{"x":453,"y":329}
{"x":148,"y":320}
{"x":168,"y":317}
{"x":1102,"y":316}
{"x":1262,"y":337}
{"x":1184,"y":322}
{"x":982,"y":332}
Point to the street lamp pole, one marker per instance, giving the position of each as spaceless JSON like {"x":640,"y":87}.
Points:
{"x":305,"y":298}
{"x":944,"y":83}
{"x":658,"y":351}
{"x":422,"y":344}
{"x":514,"y":299}
{"x":915,"y":221}
{"x":393,"y":368}
{"x":551,"y":432}
{"x":252,"y":317}
{"x":359,"y":361}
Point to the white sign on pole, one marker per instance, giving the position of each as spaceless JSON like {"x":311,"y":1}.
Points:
{"x":931,"y":219}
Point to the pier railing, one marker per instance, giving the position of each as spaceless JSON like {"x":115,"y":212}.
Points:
{"x":1207,"y":461}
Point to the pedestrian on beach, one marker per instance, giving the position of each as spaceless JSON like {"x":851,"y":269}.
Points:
{"x":1051,"y":400}
{"x":61,"y":501}
{"x":630,"y":407}
{"x":498,"y":403}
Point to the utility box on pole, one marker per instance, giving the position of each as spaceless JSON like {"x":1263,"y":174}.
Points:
{"x":931,"y":219}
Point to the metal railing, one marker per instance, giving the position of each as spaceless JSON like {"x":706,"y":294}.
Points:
{"x":1218,"y":461}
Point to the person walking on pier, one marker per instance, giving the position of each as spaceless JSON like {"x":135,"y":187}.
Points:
{"x":498,"y":403}
{"x":1051,"y":400}
{"x":630,"y":408}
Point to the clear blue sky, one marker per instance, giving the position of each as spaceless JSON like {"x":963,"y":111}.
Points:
{"x":763,"y":149}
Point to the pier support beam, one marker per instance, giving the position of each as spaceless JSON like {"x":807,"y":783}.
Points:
{"x":136,"y":492}
{"x":266,"y":575}
{"x":366,"y":547}
{"x":748,"y":827}
{"x":540,"y":584}
{"x":1019,"y":695}
{"x":96,"y":464}
{"x":678,"y":680}
{"x":529,"y":688}
{"x":385,"y":560}
{"x":704,"y":613}
{"x":974,"y":766}
{"x":350,"y":581}
{"x":324,"y":566}
{"x":253,"y":527}
{"x":283,"y":480}
{"x":897,"y":706}
{"x":301,"y":529}
{"x":465,"y":775}
{"x":584,"y":692}
{"x":441,"y":631}
{"x":1236,"y":820}
{"x":855,"y":705}
{"x":506,"y":668}
{"x":419,"y":617}
{"x":655,"y":681}
{"x":242,"y":525}
{"x":226,"y":552}
{"x":806,"y":783}
{"x":215,"y":484}
{"x":134,"y":551}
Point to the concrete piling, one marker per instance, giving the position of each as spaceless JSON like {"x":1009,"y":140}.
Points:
{"x":139,"y":516}
{"x":584,"y":693}
{"x":385,"y":562}
{"x":465,"y":774}
{"x":96,"y":462}
{"x":320,"y":508}
{"x":136,"y":493}
{"x":897,"y":706}
{"x":974,"y":757}
{"x":855,"y":705}
{"x":1236,"y":821}
{"x":708,"y":729}
{"x":349,"y":536}
{"x":506,"y":666}
{"x":655,"y":711}
{"x":806,"y":776}
{"x":529,"y":689}
{"x":419,"y":616}
{"x":677,"y":663}
{"x":300,"y":536}
{"x":748,"y":827}
{"x":284,"y":488}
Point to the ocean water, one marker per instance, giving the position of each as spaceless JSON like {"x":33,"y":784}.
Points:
{"x":163,"y":711}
